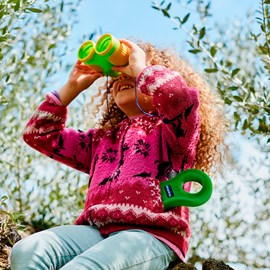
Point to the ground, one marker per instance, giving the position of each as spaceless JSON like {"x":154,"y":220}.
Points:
{"x":8,"y":236}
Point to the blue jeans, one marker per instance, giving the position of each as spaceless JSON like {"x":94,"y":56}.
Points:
{"x":82,"y":247}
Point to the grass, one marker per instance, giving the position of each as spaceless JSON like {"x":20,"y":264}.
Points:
{"x":9,"y":235}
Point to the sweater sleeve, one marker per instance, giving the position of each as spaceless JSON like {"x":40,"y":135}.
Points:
{"x":177,"y":105}
{"x":46,"y":132}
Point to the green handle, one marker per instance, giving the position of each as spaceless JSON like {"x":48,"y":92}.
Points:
{"x":173,"y":193}
{"x":108,"y":52}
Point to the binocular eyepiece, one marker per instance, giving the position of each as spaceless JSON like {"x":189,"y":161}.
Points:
{"x":106,"y":53}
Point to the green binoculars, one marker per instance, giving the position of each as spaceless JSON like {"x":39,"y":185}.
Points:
{"x":106,"y":53}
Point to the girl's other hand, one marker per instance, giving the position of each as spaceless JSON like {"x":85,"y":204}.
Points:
{"x":137,"y":60}
{"x":82,"y":76}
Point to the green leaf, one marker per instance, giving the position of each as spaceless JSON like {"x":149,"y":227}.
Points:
{"x":17,"y":5}
{"x":233,"y":88}
{"x":263,"y":127}
{"x":228,"y":101}
{"x":177,"y":18}
{"x":35,"y":10}
{"x":165,"y":13}
{"x":245,"y":125}
{"x":237,"y":118}
{"x":52,"y":46}
{"x":168,"y":6}
{"x":211,"y":70}
{"x":263,"y":49}
{"x":4,"y":31}
{"x":224,"y":71}
{"x":213,"y":51}
{"x":62,"y":6}
{"x":3,"y":39}
{"x":195,"y":51}
{"x":237,"y":98}
{"x":263,"y":28}
{"x":162,"y":2}
{"x":254,"y":110}
{"x":3,"y":198}
{"x":7,"y":78}
{"x":235,"y":71}
{"x":202,"y":33}
{"x":2,"y":14}
{"x":185,"y":18}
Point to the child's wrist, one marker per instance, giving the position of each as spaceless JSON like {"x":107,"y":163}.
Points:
{"x":73,"y":86}
{"x":68,"y":92}
{"x":139,"y":70}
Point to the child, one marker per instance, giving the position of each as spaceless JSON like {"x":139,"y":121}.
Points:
{"x":161,"y":119}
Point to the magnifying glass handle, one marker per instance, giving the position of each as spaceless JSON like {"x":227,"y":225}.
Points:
{"x":173,"y":193}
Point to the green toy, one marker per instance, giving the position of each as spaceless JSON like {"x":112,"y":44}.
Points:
{"x":107,"y":52}
{"x":173,"y":193}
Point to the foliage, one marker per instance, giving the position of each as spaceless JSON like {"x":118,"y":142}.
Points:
{"x":241,"y":76}
{"x":33,"y":35}
{"x":8,"y":222}
{"x":235,"y":58}
{"x":10,"y":13}
{"x":33,"y":39}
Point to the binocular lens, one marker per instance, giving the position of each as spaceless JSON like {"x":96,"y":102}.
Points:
{"x":86,"y":51}
{"x":104,"y":44}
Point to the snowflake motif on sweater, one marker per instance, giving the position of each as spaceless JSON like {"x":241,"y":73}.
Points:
{"x":126,"y":165}
{"x":142,"y":148}
{"x":109,"y":155}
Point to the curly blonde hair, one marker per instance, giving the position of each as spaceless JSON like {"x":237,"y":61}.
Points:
{"x":211,"y":145}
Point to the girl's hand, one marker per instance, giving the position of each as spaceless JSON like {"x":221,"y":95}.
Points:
{"x":137,"y":60}
{"x":82,"y":76}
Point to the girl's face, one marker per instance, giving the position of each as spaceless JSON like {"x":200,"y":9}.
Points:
{"x":124,"y":96}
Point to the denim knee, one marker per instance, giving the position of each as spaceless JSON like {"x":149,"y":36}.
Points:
{"x":26,"y":255}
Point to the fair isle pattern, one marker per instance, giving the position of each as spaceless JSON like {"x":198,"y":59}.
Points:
{"x":154,"y":82}
{"x":42,"y":116}
{"x":128,"y":213}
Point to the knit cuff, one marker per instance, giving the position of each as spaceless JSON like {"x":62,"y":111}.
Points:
{"x":53,"y":97}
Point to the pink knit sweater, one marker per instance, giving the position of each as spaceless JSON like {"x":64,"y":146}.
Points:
{"x":126,"y":165}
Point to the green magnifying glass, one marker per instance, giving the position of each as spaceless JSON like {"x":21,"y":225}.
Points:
{"x":173,"y":193}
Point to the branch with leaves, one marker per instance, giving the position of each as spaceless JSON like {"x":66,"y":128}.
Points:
{"x":246,"y":97}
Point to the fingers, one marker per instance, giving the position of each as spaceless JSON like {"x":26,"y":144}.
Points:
{"x":137,"y":60}
{"x":130,"y":44}
{"x":127,"y":42}
{"x":85,"y":68}
{"x":79,"y":64}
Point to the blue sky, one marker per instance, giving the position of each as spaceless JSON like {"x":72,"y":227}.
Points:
{"x":125,"y":18}
{"x":137,"y":19}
